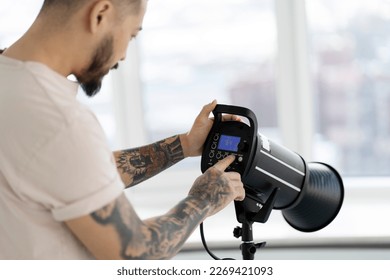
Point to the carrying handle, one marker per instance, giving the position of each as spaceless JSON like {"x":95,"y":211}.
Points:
{"x":239,"y":111}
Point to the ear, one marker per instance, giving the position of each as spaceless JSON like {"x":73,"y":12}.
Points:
{"x":101,"y":15}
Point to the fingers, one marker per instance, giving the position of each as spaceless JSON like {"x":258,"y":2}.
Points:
{"x":231,"y":118}
{"x":241,"y":194}
{"x":207,"y":109}
{"x":234,"y":177}
{"x":224,"y":163}
{"x":237,"y":185}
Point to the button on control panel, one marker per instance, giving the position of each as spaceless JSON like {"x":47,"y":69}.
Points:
{"x":223,"y":145}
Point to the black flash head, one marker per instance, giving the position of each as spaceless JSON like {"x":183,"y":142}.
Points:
{"x":309,"y":195}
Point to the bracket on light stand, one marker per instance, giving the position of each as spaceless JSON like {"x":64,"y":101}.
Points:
{"x":247,"y":216}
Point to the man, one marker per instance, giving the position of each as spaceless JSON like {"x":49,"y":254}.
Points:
{"x":61,"y":188}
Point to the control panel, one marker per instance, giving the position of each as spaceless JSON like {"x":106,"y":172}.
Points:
{"x":228,"y":138}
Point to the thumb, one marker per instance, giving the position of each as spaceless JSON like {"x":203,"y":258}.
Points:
{"x":207,"y":109}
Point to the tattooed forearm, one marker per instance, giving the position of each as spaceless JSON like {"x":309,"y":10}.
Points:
{"x":139,"y":164}
{"x":157,"y":238}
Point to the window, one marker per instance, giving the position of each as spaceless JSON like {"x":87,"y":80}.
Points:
{"x":350,"y":43}
{"x":321,"y":87}
{"x":190,"y":54}
{"x":12,"y":27}
{"x":195,"y":51}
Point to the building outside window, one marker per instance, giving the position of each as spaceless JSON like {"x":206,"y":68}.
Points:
{"x":350,"y":43}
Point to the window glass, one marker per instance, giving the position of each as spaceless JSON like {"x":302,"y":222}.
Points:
{"x":198,"y":50}
{"x":15,"y":18}
{"x":350,"y":42}
{"x":195,"y":51}
{"x":192,"y":52}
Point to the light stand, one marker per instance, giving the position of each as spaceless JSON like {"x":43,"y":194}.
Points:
{"x":247,"y":213}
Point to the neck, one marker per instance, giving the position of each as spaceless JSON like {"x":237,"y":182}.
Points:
{"x":52,"y":47}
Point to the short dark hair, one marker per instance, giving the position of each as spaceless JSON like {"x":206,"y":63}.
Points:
{"x":69,"y":6}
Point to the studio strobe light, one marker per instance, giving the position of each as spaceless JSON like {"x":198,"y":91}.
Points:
{"x":309,"y":195}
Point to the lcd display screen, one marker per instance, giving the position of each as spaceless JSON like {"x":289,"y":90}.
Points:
{"x":229,"y":143}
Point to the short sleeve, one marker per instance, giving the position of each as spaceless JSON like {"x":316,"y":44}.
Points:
{"x":74,"y":173}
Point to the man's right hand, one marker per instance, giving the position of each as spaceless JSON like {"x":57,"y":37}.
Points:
{"x":115,"y":231}
{"x":219,"y":187}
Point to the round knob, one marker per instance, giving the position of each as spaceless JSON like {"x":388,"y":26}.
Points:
{"x":237,"y":232}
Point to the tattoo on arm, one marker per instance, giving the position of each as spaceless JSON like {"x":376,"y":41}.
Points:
{"x":139,"y":164}
{"x":157,"y":238}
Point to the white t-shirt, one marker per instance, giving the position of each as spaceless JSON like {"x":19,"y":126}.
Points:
{"x":55,"y":163}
